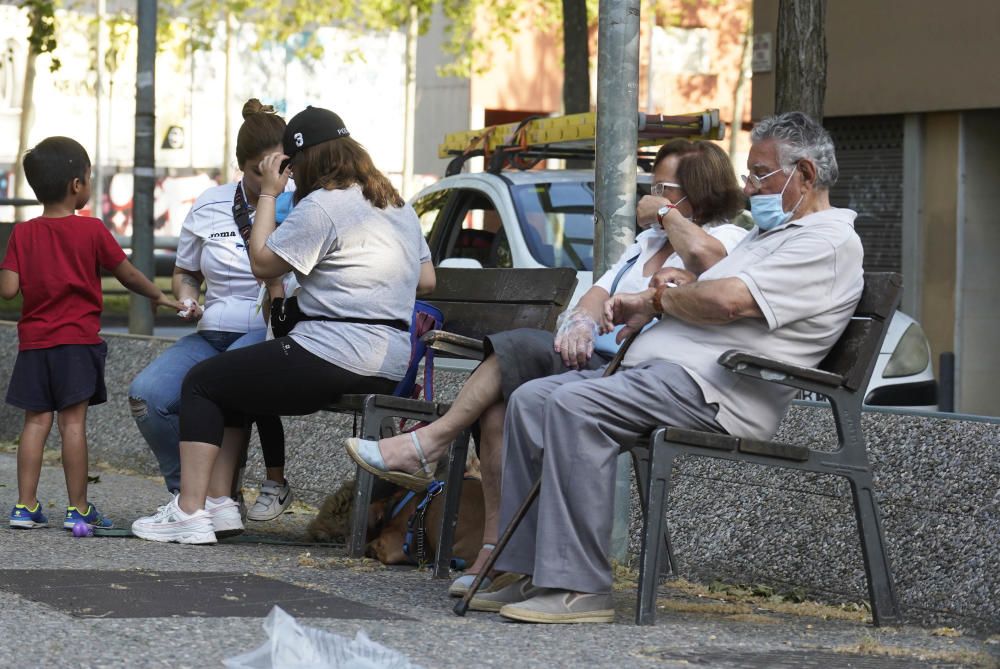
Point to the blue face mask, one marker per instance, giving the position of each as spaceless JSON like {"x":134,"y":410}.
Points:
{"x":768,"y":211}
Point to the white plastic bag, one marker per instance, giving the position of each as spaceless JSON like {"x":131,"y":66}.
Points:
{"x":292,"y":646}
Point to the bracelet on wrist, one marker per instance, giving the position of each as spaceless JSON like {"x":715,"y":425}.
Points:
{"x":273,"y":197}
{"x":658,"y":298}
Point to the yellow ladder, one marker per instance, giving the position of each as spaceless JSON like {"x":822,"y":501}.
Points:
{"x":579,"y":131}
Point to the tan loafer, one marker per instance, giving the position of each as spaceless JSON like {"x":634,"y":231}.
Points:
{"x":562,"y":606}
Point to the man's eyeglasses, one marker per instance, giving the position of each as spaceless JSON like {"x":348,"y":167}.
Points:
{"x":755,"y":181}
{"x":660,"y":186}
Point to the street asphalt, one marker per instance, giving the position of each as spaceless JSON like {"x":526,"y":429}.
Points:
{"x":124,"y":602}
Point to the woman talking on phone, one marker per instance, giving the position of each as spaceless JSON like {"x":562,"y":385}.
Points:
{"x":359,"y":257}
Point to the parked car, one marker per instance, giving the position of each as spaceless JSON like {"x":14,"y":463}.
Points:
{"x":544,"y":218}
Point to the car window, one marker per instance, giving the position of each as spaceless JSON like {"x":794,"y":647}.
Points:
{"x":429,"y":208}
{"x":475,"y":230}
{"x":558,"y":222}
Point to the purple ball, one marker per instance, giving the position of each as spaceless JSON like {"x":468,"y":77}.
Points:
{"x":82,"y":529}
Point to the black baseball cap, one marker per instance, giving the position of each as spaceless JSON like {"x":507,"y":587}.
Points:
{"x":311,"y":126}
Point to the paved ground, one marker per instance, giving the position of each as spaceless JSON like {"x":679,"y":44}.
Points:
{"x":402,"y":608}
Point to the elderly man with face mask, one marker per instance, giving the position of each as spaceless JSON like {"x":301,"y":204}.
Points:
{"x":788,"y":290}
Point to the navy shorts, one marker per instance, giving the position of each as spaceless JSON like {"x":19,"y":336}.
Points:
{"x":51,"y":379}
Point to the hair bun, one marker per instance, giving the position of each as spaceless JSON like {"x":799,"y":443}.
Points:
{"x":253,"y":106}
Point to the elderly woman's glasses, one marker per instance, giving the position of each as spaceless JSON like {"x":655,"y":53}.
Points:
{"x":660,"y":186}
{"x":755,"y":181}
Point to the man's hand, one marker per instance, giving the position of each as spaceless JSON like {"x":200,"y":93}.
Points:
{"x":271,"y":181}
{"x":672,"y":275}
{"x":634,"y":310}
{"x":645,"y":210}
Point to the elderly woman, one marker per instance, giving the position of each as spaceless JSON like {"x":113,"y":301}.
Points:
{"x":695,"y":194}
{"x":359,"y":257}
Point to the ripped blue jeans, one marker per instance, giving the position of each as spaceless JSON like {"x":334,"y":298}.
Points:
{"x":155,"y":399}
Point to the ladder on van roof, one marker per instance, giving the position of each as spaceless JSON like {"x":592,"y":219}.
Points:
{"x":524,"y":143}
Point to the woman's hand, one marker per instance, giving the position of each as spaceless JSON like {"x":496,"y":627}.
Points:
{"x":645,"y":210}
{"x":575,"y":338}
{"x":190,"y":310}
{"x":273,"y":181}
{"x":672,"y":275}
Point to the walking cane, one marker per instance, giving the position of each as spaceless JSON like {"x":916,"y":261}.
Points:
{"x":463,"y":604}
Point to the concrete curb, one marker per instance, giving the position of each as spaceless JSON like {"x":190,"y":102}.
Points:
{"x":937,"y":479}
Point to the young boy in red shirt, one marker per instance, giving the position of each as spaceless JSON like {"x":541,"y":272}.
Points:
{"x":55,"y":261}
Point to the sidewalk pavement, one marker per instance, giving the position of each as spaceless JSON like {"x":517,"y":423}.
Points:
{"x":124,"y":602}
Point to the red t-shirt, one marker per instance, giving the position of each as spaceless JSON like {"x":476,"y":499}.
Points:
{"x":58,"y":262}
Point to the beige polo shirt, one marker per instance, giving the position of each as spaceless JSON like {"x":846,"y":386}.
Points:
{"x":806,"y":277}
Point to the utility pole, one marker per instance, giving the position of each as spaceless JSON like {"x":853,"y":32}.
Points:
{"x":140,"y":314}
{"x":615,"y":173}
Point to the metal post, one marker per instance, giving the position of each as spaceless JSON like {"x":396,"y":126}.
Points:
{"x":946,"y":382}
{"x":140,"y":316}
{"x":98,"y":173}
{"x":410,"y":103}
{"x":615,"y":172}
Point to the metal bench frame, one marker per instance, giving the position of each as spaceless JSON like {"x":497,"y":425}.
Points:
{"x":842,"y":377}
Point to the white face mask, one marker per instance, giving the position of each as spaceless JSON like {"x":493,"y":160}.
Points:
{"x":768,"y":211}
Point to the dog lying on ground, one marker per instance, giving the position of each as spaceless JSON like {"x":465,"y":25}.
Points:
{"x":387,"y":532}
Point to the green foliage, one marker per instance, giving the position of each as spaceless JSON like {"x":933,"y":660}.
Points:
{"x":42,"y":19}
{"x":474,"y":25}
{"x":194,"y":24}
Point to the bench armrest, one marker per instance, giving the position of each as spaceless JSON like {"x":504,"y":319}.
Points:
{"x":449,"y":342}
{"x":777,"y":371}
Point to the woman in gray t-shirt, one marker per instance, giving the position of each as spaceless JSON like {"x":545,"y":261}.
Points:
{"x":360,"y":258}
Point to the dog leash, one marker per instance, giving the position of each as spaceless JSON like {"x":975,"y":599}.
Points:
{"x":416,"y":527}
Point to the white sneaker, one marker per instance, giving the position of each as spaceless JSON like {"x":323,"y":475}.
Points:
{"x":274,"y":498}
{"x":225,"y":516}
{"x":169,"y":523}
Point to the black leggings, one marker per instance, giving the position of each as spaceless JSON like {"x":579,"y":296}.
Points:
{"x":274,"y":378}
{"x":272,"y":440}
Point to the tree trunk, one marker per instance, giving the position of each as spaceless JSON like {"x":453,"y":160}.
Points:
{"x":227,"y":125}
{"x":741,"y":84}
{"x":410,"y":102}
{"x":576,"y":57}
{"x":27,"y":116}
{"x":800,"y":76}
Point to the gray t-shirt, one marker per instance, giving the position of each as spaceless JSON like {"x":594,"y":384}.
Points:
{"x":357,"y":261}
{"x":806,"y":277}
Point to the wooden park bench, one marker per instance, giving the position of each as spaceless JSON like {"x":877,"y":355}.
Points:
{"x":842,"y":377}
{"x":475,"y":303}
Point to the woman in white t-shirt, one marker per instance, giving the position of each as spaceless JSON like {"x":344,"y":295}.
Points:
{"x":695,"y":194}
{"x":360,"y":259}
{"x":211,"y":250}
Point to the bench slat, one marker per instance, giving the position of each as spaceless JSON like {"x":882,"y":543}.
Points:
{"x":733,"y":358}
{"x":517,"y":286}
{"x":774,"y":449}
{"x":720,"y":442}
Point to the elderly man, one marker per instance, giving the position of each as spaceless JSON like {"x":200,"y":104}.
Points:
{"x":787,"y":291}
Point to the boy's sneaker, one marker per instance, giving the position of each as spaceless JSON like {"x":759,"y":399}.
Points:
{"x":23,"y":518}
{"x":169,"y":523}
{"x":225,"y":516}
{"x":92,"y":517}
{"x":274,"y":498}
